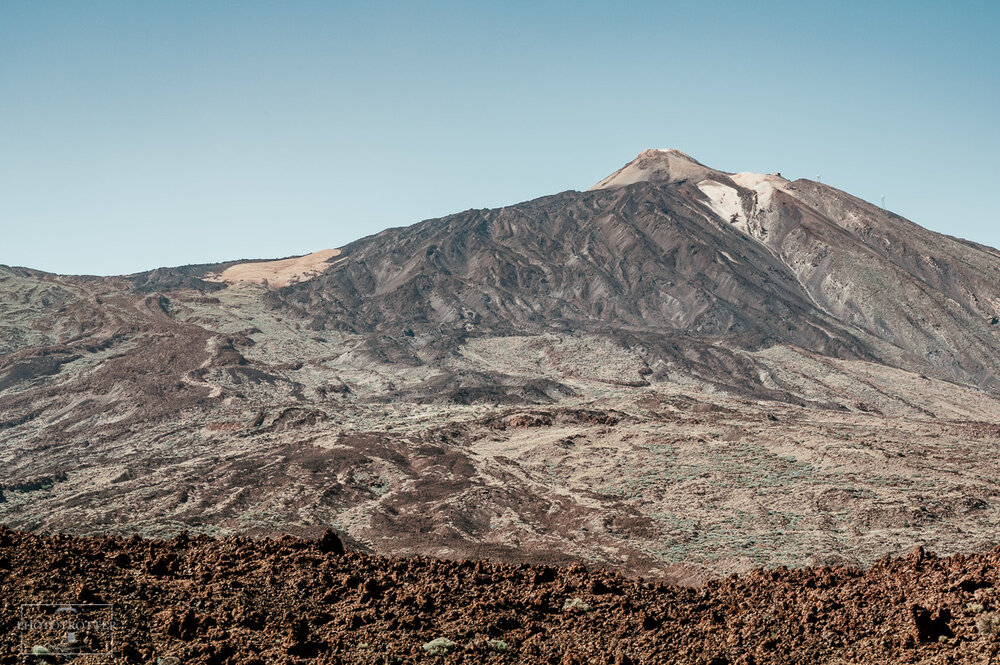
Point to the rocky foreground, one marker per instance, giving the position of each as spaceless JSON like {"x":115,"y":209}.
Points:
{"x":241,"y":600}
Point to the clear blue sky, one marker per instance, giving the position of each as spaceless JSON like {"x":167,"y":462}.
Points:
{"x":142,"y":134}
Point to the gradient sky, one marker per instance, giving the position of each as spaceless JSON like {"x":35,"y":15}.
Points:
{"x":142,"y":134}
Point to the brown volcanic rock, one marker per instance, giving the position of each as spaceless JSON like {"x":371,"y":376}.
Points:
{"x":240,"y":600}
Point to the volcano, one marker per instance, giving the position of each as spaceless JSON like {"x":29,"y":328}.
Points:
{"x":680,"y":371}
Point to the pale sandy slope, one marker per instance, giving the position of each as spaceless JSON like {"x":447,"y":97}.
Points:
{"x":278,"y":273}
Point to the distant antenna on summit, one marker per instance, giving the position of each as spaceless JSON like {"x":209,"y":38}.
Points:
{"x":883,"y":202}
{"x":818,"y":179}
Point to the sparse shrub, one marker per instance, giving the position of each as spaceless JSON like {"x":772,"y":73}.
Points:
{"x":439,"y":647}
{"x":39,"y":650}
{"x":973,"y":608}
{"x":575,"y":605}
{"x":988,"y":624}
{"x":497,"y":645}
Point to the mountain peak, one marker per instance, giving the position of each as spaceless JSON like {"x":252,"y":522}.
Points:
{"x":657,"y":165}
{"x":668,"y":151}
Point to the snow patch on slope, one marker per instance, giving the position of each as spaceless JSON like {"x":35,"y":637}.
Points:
{"x":764,"y":185}
{"x":742,"y":198}
{"x":723,"y":200}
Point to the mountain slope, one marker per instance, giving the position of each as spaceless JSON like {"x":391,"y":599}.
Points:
{"x":932,"y":298}
{"x":643,"y":258}
{"x":667,"y":245}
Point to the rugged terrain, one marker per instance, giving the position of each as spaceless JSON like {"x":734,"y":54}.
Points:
{"x":251,"y":601}
{"x":681,"y":373}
